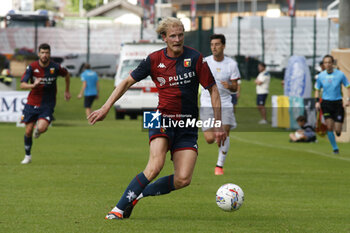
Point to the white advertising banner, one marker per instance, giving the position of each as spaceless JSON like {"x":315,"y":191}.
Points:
{"x":11,"y":105}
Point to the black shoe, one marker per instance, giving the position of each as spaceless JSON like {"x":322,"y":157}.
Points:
{"x":129,"y":208}
{"x":336,"y":152}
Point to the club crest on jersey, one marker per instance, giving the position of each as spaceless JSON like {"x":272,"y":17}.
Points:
{"x":218,"y":70}
{"x":52,"y":70}
{"x":187,"y":62}
{"x":161,"y":81}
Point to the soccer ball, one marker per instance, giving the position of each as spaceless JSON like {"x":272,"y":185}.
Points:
{"x":229,"y":197}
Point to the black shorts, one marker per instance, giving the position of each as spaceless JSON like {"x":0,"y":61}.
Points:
{"x":333,"y":110}
{"x":88,"y":100}
{"x":234,"y":99}
{"x":34,"y":113}
{"x":261,"y":99}
{"x":178,"y":138}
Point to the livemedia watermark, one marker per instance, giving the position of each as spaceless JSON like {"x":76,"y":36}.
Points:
{"x":155,"y":120}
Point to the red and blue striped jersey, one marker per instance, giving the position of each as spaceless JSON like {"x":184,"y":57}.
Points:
{"x":177,"y":80}
{"x":44,"y":95}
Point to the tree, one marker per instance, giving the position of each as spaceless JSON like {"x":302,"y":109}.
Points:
{"x":46,"y":5}
{"x":87,"y":4}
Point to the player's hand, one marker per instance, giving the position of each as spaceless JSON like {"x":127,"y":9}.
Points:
{"x":79,"y":96}
{"x":346,"y":103}
{"x":37,"y":82}
{"x":97,"y":115}
{"x":67,"y":95}
{"x":225,"y":84}
{"x":238,"y":95}
{"x":318,"y":106}
{"x":220,"y":136}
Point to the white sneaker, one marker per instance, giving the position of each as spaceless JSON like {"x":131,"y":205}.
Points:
{"x":262,"y":122}
{"x":36,"y":133}
{"x":27,"y":159}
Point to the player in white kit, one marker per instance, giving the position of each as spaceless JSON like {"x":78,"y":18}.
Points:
{"x":226,"y":74}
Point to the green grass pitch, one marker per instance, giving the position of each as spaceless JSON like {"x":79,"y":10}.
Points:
{"x":80,"y":171}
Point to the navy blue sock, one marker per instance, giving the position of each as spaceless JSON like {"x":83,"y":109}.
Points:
{"x":161,"y":186}
{"x":331,"y":138}
{"x":28,"y":142}
{"x":136,"y":186}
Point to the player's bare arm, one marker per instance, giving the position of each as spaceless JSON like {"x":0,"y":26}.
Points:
{"x":232,"y":85}
{"x":317,"y":96}
{"x":67,"y":93}
{"x":258,"y":82}
{"x":118,"y":92}
{"x":347,"y":101}
{"x":238,"y":90}
{"x":27,"y":86}
{"x":98,"y":89}
{"x":82,"y":90}
{"x":220,"y":133}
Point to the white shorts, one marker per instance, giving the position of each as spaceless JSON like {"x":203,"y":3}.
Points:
{"x":227,"y":116}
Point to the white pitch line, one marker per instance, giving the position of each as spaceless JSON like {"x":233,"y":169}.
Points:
{"x":290,"y":148}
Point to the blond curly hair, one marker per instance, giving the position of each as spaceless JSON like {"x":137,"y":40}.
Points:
{"x":166,"y":23}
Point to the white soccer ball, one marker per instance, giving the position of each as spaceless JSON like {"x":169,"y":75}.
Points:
{"x":229,"y":197}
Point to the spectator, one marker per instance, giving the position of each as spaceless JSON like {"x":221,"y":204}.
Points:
{"x":90,"y":88}
{"x":306,"y":133}
{"x":322,"y":69}
{"x":6,"y":77}
{"x":262,"y":90}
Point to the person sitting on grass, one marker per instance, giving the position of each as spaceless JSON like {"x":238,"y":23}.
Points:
{"x":306,"y":133}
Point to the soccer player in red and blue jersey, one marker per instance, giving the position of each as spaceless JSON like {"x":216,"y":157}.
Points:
{"x":40,"y":77}
{"x":177,"y":71}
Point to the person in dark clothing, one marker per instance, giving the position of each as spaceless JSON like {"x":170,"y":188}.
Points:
{"x":306,"y":133}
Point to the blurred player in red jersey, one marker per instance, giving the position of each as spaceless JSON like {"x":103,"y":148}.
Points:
{"x":40,"y":77}
{"x":177,"y":71}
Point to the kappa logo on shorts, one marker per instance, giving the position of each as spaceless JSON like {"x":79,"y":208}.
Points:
{"x":151,"y":120}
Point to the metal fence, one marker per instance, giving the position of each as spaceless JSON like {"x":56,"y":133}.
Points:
{"x":274,"y":40}
{"x":271,"y":40}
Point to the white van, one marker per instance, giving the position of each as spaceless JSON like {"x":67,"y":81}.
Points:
{"x":142,"y":95}
{"x":103,"y":64}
